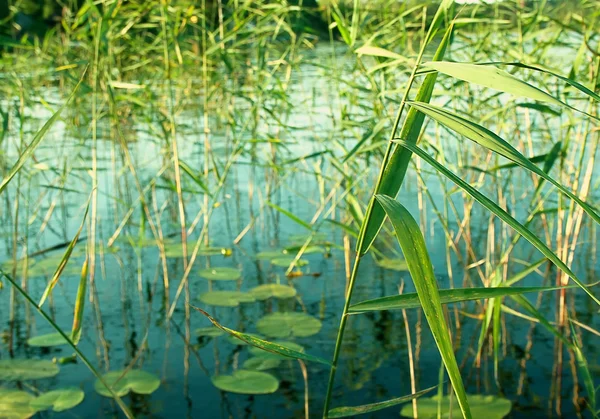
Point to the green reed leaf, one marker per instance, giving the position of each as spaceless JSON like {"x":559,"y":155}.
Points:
{"x":395,"y":170}
{"x":263,"y":344}
{"x":419,"y":265}
{"x":79,"y":304}
{"x":378,"y":52}
{"x":493,"y":142}
{"x":346,"y":411}
{"x":37,"y":139}
{"x":582,"y":366}
{"x":290,"y":215}
{"x":582,"y":88}
{"x":65,"y":258}
{"x":494,"y":78}
{"x":449,"y":296}
{"x":500,"y":213}
{"x":533,"y":312}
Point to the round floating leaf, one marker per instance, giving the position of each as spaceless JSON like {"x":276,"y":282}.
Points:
{"x":226,"y":298}
{"x":210,"y":331}
{"x":15,"y":404}
{"x":393,"y":264}
{"x":59,"y":400}
{"x":261,"y":364}
{"x":262,"y":292}
{"x":48,"y":340}
{"x":174,"y":250}
{"x":270,"y":254}
{"x":140,"y":382}
{"x":48,"y":266}
{"x":285,"y":261}
{"x":489,"y":407}
{"x":308,"y":250}
{"x":236,"y":341}
{"x":221,"y":274}
{"x":247,"y":382}
{"x":260,"y":353}
{"x":285,"y":325}
{"x":26,"y":369}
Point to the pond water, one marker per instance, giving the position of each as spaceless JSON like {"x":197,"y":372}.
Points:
{"x":125,"y":318}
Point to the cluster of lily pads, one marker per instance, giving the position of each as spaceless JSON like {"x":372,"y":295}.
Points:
{"x":281,"y":326}
{"x":19,"y":404}
{"x":252,"y":378}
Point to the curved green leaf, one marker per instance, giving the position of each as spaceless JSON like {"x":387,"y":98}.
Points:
{"x":395,"y":169}
{"x":494,"y":78}
{"x":491,"y":141}
{"x":500,"y":213}
{"x":411,"y":300}
{"x":344,"y":412}
{"x":419,"y":265}
{"x":263,"y":344}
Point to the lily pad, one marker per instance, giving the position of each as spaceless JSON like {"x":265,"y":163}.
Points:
{"x":15,"y":404}
{"x":210,"y":331}
{"x":221,"y":274}
{"x":247,"y":382}
{"x":489,"y":407}
{"x":47,"y":340}
{"x":308,"y":250}
{"x":26,"y":369}
{"x":226,"y":298}
{"x":399,"y":265}
{"x":271,"y":254}
{"x":59,"y":400}
{"x":263,"y":292}
{"x":137,"y":381}
{"x":174,"y":250}
{"x":285,"y":261}
{"x":260,"y":353}
{"x":261,"y":364}
{"x":47,"y":266}
{"x":285,"y":325}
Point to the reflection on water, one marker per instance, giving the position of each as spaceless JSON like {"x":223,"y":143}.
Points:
{"x":127,"y":316}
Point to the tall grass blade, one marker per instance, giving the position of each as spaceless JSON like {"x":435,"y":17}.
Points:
{"x":290,"y":215}
{"x":534,"y":312}
{"x":65,"y":259}
{"x":37,"y":139}
{"x":419,"y":265}
{"x":80,"y":304}
{"x":500,"y":213}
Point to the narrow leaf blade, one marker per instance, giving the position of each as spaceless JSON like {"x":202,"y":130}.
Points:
{"x":448,"y":296}
{"x":503,"y":215}
{"x":421,"y":270}
{"x":263,"y":344}
{"x":346,"y":411}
